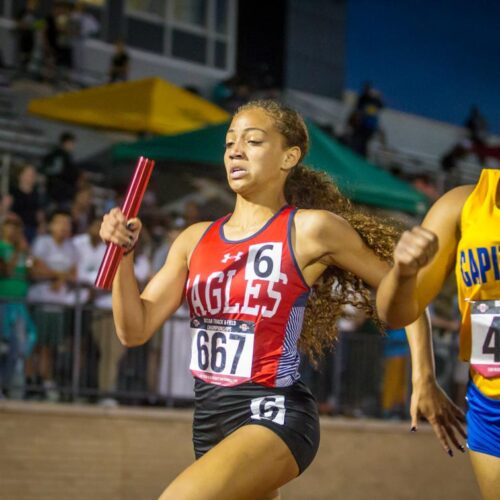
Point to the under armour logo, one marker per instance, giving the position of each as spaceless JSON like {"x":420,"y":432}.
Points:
{"x":228,"y":256}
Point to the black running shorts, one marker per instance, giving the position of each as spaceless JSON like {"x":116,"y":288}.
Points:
{"x":290,"y":412}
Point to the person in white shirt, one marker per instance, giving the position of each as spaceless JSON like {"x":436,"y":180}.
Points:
{"x":91,"y":251}
{"x":54,"y":268}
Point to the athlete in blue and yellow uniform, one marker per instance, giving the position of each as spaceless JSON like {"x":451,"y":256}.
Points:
{"x":462,"y":230}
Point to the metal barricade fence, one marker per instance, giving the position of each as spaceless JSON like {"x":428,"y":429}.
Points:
{"x":78,"y":357}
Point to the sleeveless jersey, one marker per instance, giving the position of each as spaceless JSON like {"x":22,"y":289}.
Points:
{"x":247,"y":300}
{"x":478,"y":278}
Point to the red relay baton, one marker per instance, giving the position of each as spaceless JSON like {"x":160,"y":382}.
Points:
{"x":130,"y":209}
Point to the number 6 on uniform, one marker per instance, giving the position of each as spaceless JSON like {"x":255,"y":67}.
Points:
{"x":264,"y":261}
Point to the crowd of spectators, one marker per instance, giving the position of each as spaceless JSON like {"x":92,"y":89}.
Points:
{"x":363,"y":127}
{"x":50,"y":47}
{"x":50,"y":252}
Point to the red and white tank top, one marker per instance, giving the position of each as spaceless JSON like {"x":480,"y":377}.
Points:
{"x":247,"y":300}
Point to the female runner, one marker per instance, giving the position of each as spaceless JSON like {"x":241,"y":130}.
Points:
{"x":466,"y":223}
{"x":254,"y":280}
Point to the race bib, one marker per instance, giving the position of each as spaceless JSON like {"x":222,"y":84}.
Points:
{"x":485,"y":323}
{"x":222,"y":350}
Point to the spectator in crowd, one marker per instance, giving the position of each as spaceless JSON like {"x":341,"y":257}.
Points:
{"x":5,"y":205}
{"x":161,"y":251}
{"x":50,"y":41}
{"x":17,"y":331}
{"x":477,"y":127}
{"x":4,"y":79}
{"x":359,"y":396}
{"x":142,"y":261}
{"x":82,"y":25}
{"x":425,"y":184}
{"x":323,"y":380}
{"x":223,"y":90}
{"x":26,"y":201}
{"x":56,"y":41}
{"x":61,"y":174}
{"x":363,"y":122}
{"x":25,"y":29}
{"x":395,"y":374}
{"x":63,"y":26}
{"x":155,"y":344}
{"x":82,"y":210}
{"x":320,"y":381}
{"x":450,"y":163}
{"x":90,"y":250}
{"x":55,"y":269}
{"x":119,"y":65}
{"x":191,"y":213}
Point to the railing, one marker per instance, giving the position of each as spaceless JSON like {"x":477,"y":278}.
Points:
{"x":412,"y":162}
{"x":78,"y":358}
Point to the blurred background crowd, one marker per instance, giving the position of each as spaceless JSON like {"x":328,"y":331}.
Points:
{"x":57,"y":339}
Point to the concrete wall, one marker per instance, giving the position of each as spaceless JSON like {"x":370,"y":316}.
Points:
{"x":315,"y":46}
{"x":88,"y":453}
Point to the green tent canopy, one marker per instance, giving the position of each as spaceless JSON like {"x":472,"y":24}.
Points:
{"x":358,"y":179}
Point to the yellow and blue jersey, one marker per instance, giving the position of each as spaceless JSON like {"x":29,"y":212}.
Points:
{"x":478,"y":272}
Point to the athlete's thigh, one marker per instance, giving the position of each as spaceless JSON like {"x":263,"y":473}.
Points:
{"x":487,"y":471}
{"x":251,"y":463}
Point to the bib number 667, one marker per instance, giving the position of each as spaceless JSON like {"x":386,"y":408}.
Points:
{"x":213,"y":353}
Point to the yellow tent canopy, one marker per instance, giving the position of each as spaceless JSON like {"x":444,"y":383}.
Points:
{"x":149,"y":105}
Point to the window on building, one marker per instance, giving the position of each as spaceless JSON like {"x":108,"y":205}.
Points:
{"x":193,"y":12}
{"x":221,"y":15}
{"x":155,"y":8}
{"x":189,"y":46}
{"x":198,"y":31}
{"x":95,"y":3}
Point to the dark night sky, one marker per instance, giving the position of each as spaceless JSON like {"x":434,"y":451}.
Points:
{"x":427,"y":57}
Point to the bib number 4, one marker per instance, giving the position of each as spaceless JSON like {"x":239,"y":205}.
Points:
{"x":485,"y":321}
{"x":491,"y":343}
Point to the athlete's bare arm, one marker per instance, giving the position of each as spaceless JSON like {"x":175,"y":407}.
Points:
{"x":138,"y":316}
{"x":326,"y":239}
{"x":423,"y":259}
{"x":323,"y":239}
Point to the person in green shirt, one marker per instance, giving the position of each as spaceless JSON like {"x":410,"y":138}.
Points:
{"x":17,"y":330}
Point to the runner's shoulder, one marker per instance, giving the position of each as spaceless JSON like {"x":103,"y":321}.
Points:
{"x":456,"y":195}
{"x":190,"y":237}
{"x":446,"y":212}
{"x":317,"y":223}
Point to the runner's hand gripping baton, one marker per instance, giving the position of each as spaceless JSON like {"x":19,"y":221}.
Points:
{"x":130,"y":209}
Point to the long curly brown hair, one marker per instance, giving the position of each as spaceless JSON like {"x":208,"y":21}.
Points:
{"x":310,"y":189}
